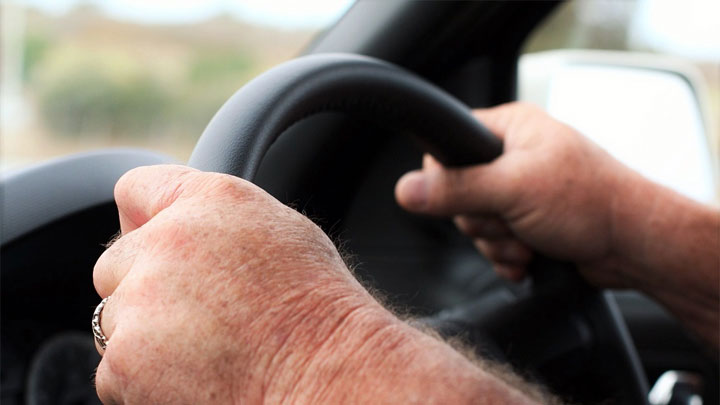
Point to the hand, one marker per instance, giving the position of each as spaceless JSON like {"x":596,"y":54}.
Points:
{"x":221,"y":294}
{"x":555,"y":192}
{"x":551,"y":191}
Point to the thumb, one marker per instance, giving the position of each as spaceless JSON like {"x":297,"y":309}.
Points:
{"x":436,"y":190}
{"x":482,"y":189}
{"x":143,"y":192}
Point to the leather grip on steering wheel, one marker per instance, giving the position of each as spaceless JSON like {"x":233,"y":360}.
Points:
{"x":241,"y":132}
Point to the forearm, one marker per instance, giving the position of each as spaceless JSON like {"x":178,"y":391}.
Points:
{"x":668,"y":246}
{"x":371,"y":356}
{"x":395,"y":363}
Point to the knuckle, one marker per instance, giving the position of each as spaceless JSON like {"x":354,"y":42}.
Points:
{"x":175,"y":233}
{"x":126,"y":181}
{"x":129,"y":179}
{"x":228,"y":186}
{"x":100,"y":274}
{"x":137,"y":176}
{"x":121,"y":254}
{"x":131,"y":175}
{"x":105,"y":382}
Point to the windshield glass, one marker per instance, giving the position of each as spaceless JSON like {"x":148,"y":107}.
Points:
{"x":85,"y":74}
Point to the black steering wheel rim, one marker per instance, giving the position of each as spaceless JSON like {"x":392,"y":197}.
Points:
{"x":241,"y":133}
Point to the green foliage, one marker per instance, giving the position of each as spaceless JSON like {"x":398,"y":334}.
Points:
{"x":87,"y":101}
{"x":214,"y":65}
{"x":113,"y":94}
{"x":212,"y":77}
{"x":34,"y":49}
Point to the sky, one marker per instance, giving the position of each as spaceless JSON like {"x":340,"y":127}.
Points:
{"x":280,"y":13}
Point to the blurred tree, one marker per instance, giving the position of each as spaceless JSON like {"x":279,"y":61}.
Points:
{"x":88,"y":101}
{"x":34,"y":48}
{"x":584,"y":24}
{"x":92,"y":81}
{"x":214,"y":65}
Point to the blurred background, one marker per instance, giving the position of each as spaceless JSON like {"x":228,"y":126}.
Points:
{"x":80,"y":75}
{"x":86,"y":74}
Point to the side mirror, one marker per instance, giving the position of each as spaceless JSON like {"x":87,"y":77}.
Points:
{"x":649,"y":111}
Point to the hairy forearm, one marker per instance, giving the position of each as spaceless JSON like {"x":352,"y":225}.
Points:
{"x":668,"y":246}
{"x":371,"y":356}
{"x":391,"y":362}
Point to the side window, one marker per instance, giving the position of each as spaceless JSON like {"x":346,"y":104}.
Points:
{"x":641,"y":78}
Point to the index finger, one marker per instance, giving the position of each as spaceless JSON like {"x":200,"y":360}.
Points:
{"x":143,"y":192}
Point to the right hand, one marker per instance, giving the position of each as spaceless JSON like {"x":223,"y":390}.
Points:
{"x":221,"y":294}
{"x":551,"y":192}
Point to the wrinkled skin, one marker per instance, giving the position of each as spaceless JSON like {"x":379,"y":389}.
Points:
{"x":202,"y":258}
{"x":555,"y":192}
{"x":549,"y":182}
{"x":221,"y":294}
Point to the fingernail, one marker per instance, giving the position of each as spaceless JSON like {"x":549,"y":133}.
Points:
{"x":414,"y":190}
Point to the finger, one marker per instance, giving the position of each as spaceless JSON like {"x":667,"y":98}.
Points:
{"x":500,"y":119}
{"x":143,"y":192}
{"x":114,"y":264}
{"x":479,"y":189}
{"x":482,"y":226}
{"x":429,"y":162}
{"x":99,"y":349}
{"x":508,"y":271}
{"x":105,"y":383}
{"x":482,"y":189}
{"x":505,"y":251}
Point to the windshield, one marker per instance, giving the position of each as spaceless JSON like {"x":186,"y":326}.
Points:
{"x":79,"y":75}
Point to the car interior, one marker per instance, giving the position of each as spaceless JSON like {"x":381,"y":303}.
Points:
{"x":340,"y":168}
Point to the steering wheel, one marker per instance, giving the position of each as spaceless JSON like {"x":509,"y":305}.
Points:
{"x":570,"y":335}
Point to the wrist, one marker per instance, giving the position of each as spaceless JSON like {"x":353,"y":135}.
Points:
{"x":632,"y":200}
{"x":653,"y":229}
{"x":666,"y":245}
{"x":292,"y":334}
{"x":627,"y":198}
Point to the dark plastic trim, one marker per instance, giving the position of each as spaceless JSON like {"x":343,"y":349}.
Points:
{"x":38,"y":195}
